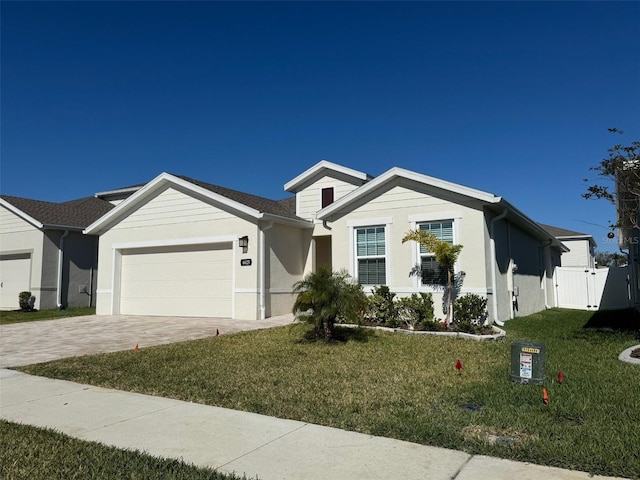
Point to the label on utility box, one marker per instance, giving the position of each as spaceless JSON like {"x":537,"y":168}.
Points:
{"x":526,"y":365}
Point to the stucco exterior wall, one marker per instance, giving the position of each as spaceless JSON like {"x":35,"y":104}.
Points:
{"x":528,"y":256}
{"x":174,"y":216}
{"x":284,"y":266}
{"x":524,"y":265}
{"x":19,"y":236}
{"x":400,"y":207}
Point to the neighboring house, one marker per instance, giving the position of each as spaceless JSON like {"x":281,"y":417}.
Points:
{"x":179,"y":246}
{"x":43,"y":250}
{"x":582,"y":247}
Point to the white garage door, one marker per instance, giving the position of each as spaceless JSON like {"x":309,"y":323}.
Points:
{"x":15,"y":275}
{"x":188,"y":281}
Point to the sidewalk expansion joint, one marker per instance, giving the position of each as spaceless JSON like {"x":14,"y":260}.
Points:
{"x":464,"y":464}
{"x":128,"y":419}
{"x":262,"y":446}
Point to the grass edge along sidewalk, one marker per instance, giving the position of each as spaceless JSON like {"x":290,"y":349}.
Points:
{"x":33,"y":453}
{"x":407,"y":387}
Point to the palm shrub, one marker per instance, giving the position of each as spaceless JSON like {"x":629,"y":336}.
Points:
{"x":445,"y":254}
{"x":382,"y":308}
{"x":416,"y":312}
{"x":325,"y":297}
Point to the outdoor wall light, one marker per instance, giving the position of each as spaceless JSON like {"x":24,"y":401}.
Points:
{"x":243,"y":242}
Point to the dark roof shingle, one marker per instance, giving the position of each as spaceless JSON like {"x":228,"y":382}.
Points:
{"x":562,"y":232}
{"x":281,"y":208}
{"x":79,"y":213}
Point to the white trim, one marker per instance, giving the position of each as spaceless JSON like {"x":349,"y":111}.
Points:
{"x":396,"y":172}
{"x":20,"y":213}
{"x":104,"y":291}
{"x":247,"y":290}
{"x":160,"y":182}
{"x":353,"y":246}
{"x":370,"y":222}
{"x":292,"y":185}
{"x":176,"y":242}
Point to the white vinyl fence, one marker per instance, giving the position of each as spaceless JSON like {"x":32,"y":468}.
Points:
{"x":593,"y":288}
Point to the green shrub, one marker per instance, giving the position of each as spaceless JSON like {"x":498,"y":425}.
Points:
{"x":416,"y":312}
{"x":382,"y":308}
{"x":25,"y":301}
{"x":471,"y":309}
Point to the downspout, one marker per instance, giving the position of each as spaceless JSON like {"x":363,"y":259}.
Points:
{"x":544,"y":281}
{"x":60,"y":260}
{"x":494,"y":260}
{"x":263,"y":270}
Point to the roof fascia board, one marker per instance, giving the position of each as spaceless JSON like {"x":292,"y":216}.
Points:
{"x":119,"y":191}
{"x":20,"y":213}
{"x":292,"y":185}
{"x":153,"y":186}
{"x":396,"y":172}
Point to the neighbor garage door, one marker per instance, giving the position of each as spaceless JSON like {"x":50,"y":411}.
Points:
{"x":189,"y":281}
{"x":15,"y":275}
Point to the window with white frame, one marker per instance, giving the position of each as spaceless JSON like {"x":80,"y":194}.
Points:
{"x":431,"y":271}
{"x":371,"y":255}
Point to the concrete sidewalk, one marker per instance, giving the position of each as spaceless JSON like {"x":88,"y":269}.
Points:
{"x":232,"y":441}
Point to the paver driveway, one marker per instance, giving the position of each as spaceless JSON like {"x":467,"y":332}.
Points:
{"x":41,"y":341}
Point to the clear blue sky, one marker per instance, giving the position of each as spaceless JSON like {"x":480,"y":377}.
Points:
{"x":513,"y":98}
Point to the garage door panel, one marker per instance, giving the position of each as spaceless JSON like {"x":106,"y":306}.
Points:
{"x":181,"y":271}
{"x":15,"y":277}
{"x":183,"y":281}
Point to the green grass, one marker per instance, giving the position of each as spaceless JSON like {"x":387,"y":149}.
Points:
{"x":31,"y":453}
{"x":18,"y":316}
{"x":406,"y":387}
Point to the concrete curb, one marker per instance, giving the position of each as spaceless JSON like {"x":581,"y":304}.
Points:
{"x":498,"y":335}
{"x":626,"y":356}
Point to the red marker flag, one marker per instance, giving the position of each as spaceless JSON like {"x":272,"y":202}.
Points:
{"x":560,"y":377}
{"x":459,"y":366}
{"x":136,"y":347}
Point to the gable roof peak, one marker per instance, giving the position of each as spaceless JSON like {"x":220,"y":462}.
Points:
{"x":321,"y":167}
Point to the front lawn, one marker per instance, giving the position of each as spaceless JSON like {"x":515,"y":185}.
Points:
{"x":18,"y":316}
{"x":30,"y":453}
{"x":406,"y":387}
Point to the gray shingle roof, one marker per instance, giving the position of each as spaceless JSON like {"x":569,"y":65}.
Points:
{"x":562,"y":232}
{"x":281,"y":208}
{"x":78,"y":213}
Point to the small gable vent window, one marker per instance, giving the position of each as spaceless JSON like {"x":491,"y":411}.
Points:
{"x":327,"y":196}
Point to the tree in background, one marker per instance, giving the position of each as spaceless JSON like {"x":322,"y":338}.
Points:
{"x":445,"y":254}
{"x":621,"y":169}
{"x":610,"y":259}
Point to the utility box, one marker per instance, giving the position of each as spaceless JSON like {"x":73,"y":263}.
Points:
{"x":527,"y":362}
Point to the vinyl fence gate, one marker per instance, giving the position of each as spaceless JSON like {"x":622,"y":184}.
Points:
{"x":592,"y":288}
